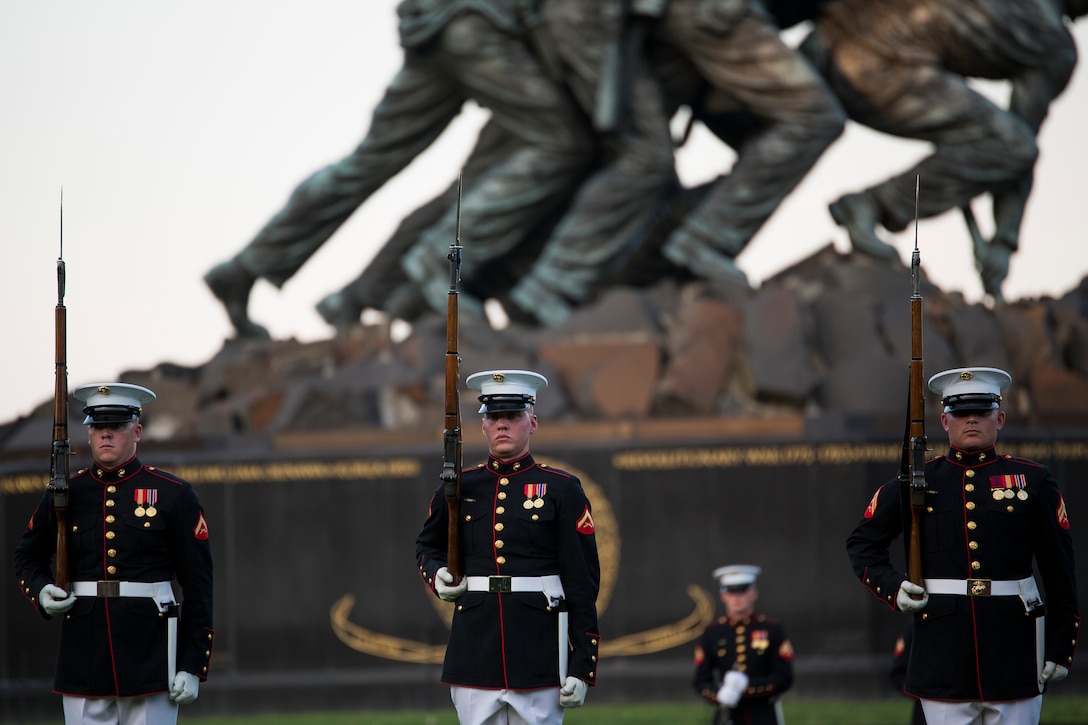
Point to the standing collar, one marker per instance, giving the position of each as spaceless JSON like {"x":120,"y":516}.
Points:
{"x":972,"y":458}
{"x":115,"y":475}
{"x":509,"y":468}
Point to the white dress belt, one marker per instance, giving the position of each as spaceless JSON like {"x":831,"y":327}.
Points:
{"x":161,"y":592}
{"x":503,"y":584}
{"x":981,"y":587}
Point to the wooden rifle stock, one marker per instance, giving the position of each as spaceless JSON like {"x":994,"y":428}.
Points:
{"x":60,"y":462}
{"x":451,"y":434}
{"x":917,"y":427}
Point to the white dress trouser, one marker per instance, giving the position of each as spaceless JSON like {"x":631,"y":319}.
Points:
{"x":148,"y":710}
{"x":1015,"y":712}
{"x":476,"y":706}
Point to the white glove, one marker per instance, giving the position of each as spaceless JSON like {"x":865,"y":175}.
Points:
{"x":443,"y":585}
{"x":1052,"y":672}
{"x":184,"y":688}
{"x":904,"y":601}
{"x":55,"y":600}
{"x":733,"y":686}
{"x":573,"y":692}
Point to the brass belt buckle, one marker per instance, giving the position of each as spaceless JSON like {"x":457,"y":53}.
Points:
{"x":109,"y":589}
{"x":978,"y":587}
{"x":498,"y":584}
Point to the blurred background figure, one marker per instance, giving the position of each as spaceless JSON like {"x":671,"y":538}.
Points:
{"x":743,"y":661}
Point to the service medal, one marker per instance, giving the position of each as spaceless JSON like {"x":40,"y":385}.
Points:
{"x":145,"y":501}
{"x":1022,"y":495}
{"x":998,"y":494}
{"x":534,"y":495}
{"x":1009,"y":493}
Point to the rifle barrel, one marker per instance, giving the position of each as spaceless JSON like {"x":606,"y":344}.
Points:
{"x":452,"y":444}
{"x":60,"y":461}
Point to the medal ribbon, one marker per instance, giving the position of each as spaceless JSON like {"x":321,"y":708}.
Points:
{"x":1008,"y":480}
{"x":534,"y":490}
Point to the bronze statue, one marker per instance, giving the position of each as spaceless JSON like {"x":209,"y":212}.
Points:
{"x":903,"y":68}
{"x":454,"y":51}
{"x":734,"y":50}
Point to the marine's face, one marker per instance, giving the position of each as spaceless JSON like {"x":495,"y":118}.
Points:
{"x":740,"y":604}
{"x":508,"y":434}
{"x":113,"y":443}
{"x":973,"y":430}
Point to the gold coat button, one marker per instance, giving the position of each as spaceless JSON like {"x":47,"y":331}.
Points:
{"x":500,"y":560}
{"x":499,"y":526}
{"x":111,"y":489}
{"x":110,"y":503}
{"x":970,"y":505}
{"x":111,"y":569}
{"x":499,"y":544}
{"x":468,"y":517}
{"x":500,"y":510}
{"x":536,"y":517}
{"x":111,"y":552}
{"x":593,"y":641}
{"x":502,"y":495}
{"x":110,"y":519}
{"x":504,"y":481}
{"x":1010,"y":509}
{"x":970,"y":473}
{"x":111,"y":534}
{"x":975,"y":565}
{"x":972,"y":545}
{"x":972,"y":525}
{"x":969,"y":487}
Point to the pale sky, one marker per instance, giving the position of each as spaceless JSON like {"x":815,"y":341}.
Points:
{"x":177,"y":129}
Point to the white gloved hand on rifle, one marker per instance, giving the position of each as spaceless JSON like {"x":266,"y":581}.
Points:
{"x":55,"y":600}
{"x":184,"y":688}
{"x":733,"y":686}
{"x":573,"y":692}
{"x":906,"y":602}
{"x":444,"y":586}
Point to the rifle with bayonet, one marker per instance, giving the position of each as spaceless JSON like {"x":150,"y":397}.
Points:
{"x":60,"y":461}
{"x":913,"y":469}
{"x":451,"y":434}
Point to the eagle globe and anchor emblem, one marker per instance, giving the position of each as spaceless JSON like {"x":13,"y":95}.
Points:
{"x":657,"y":639}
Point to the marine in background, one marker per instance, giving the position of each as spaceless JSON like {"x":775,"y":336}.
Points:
{"x":743,"y":660}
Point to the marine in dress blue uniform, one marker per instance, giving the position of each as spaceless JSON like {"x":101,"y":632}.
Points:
{"x":978,"y":645}
{"x":524,"y":634}
{"x":134,"y":533}
{"x":743,"y":660}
